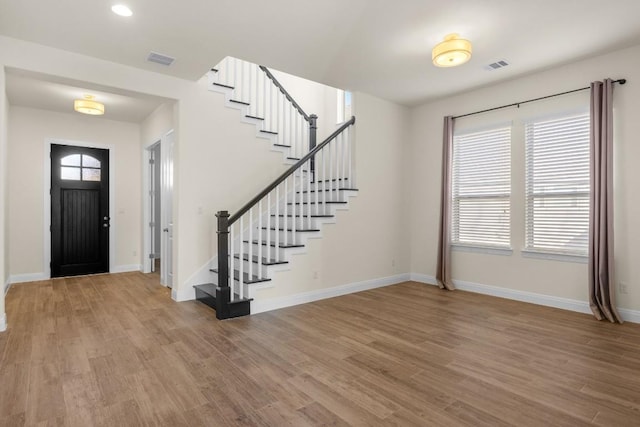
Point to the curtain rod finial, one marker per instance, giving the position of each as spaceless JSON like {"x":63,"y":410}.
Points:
{"x":622,"y":81}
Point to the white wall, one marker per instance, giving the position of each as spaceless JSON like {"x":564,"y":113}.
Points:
{"x":4,"y":206}
{"x":313,"y":98}
{"x":552,"y":278}
{"x":29,"y":130}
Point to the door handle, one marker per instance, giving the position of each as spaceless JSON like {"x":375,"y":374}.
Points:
{"x":105,"y":225}
{"x":106,"y":218}
{"x":166,"y":230}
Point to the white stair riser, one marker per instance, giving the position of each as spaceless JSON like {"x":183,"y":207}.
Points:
{"x":322,"y":196}
{"x":313,"y":209}
{"x":299,"y":236}
{"x":287,"y":223}
{"x":256,"y":269}
{"x":277,"y":253}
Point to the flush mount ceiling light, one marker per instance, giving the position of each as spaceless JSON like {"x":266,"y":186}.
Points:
{"x":122,"y":10}
{"x":88,"y":106}
{"x":451,"y":52}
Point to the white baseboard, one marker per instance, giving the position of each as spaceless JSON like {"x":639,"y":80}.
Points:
{"x":422,"y":278}
{"x":632,"y":316}
{"x":305,"y":297}
{"x":126,"y":268}
{"x":3,"y":322}
{"x":7,"y":285}
{"x":627,"y":315}
{"x":524,"y":296}
{"x":24,"y":278}
{"x":187,"y":294}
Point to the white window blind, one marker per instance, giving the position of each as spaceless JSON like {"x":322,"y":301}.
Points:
{"x":481,"y":188}
{"x":557,"y":185}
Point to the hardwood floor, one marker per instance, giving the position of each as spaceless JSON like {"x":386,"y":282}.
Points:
{"x":116,"y":350}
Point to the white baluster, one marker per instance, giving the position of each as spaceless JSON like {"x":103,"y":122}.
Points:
{"x":286,"y":210}
{"x":249,"y":265}
{"x":259,"y":272}
{"x":339,"y":164}
{"x":349,"y":160}
{"x":295,"y":211}
{"x":268,"y":255}
{"x":235,"y":78}
{"x":324,"y":182}
{"x":344,"y":160}
{"x":241,"y":261}
{"x":292,"y":137}
{"x":227,"y":64}
{"x":309,"y":194}
{"x":264,"y":102}
{"x":315,"y":178}
{"x":284,"y":221}
{"x":231,"y":259}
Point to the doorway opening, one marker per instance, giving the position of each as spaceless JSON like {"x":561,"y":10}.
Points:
{"x":158,"y":209}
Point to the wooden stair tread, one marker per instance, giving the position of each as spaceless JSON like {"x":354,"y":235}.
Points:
{"x":245,"y":277}
{"x":273,"y":245}
{"x":306,"y":230}
{"x":298,"y":216}
{"x":210,"y":290}
{"x":329,"y":202}
{"x":329,"y":189}
{"x":223,"y":85}
{"x":264,"y":261}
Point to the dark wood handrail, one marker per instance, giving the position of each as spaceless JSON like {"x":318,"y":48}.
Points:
{"x":289,"y":171}
{"x":284,"y":92}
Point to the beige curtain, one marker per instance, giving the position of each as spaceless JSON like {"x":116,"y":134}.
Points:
{"x":601,"y":259}
{"x":443,"y":273}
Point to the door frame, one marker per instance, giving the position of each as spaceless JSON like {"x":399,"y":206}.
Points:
{"x":46,"y":267}
{"x":164,"y":141}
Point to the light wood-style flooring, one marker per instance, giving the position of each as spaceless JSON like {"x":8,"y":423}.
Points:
{"x":116,"y":350}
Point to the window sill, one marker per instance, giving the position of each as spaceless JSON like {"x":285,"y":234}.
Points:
{"x":492,"y":250}
{"x":555,"y":256}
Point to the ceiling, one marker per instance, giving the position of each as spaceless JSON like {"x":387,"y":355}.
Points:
{"x":27,"y":89}
{"x":381,"y":47}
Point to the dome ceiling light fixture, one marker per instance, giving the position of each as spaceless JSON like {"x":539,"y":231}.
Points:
{"x":122,"y":10}
{"x":453,"y":51}
{"x":88,"y":105}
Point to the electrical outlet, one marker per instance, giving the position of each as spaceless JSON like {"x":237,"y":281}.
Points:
{"x":623,"y":288}
{"x":135,"y":253}
{"x":393,"y":263}
{"x":315,"y":275}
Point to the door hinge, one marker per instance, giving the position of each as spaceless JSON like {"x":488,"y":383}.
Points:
{"x":151,"y":161}
{"x":152,"y":256}
{"x":152,"y":224}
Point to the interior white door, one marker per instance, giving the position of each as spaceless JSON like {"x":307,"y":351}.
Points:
{"x":166,"y":188}
{"x":153,"y":164}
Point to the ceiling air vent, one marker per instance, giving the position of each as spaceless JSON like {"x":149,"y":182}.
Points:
{"x":497,"y":65}
{"x":161,"y":59}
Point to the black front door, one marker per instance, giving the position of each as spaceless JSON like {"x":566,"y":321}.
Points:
{"x":79,"y":210}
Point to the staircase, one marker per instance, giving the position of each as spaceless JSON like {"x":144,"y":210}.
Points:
{"x":259,"y":239}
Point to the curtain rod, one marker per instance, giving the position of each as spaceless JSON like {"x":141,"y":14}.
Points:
{"x":517,"y":104}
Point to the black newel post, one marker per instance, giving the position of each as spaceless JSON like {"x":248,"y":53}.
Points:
{"x":313,"y":131}
{"x":223,"y":292}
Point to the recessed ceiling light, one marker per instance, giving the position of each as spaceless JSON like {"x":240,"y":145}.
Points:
{"x":122,"y":10}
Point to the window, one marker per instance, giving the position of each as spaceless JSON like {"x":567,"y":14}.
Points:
{"x":481,"y":188}
{"x":80,"y":167}
{"x":557,"y":185}
{"x":344,"y":108}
